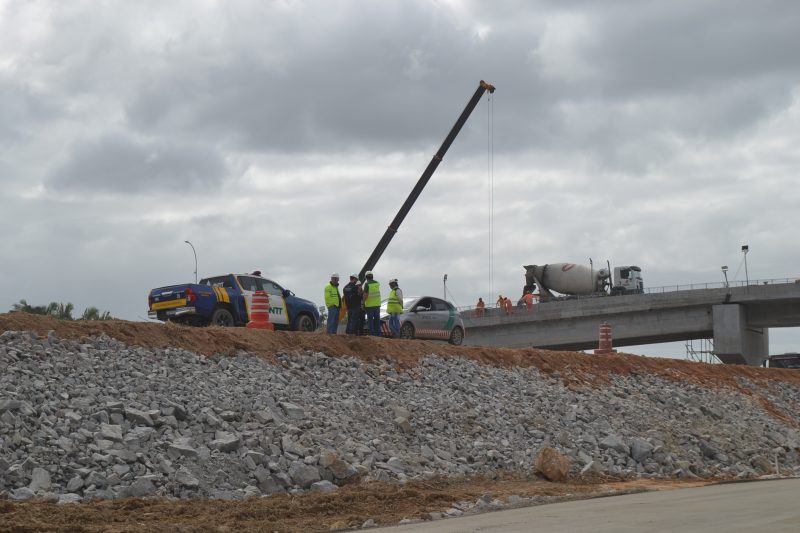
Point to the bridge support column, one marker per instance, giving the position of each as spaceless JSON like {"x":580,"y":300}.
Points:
{"x":734,"y":342}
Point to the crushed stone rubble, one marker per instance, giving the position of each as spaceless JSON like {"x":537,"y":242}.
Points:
{"x":99,"y":419}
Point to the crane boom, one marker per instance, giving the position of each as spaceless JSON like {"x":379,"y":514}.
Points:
{"x":423,"y":180}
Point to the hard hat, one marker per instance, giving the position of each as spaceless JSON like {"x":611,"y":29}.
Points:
{"x":335,"y":275}
{"x":393,"y":280}
{"x":368,"y":273}
{"x":353,"y":276}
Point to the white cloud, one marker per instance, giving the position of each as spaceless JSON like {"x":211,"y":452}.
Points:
{"x":285,"y":135}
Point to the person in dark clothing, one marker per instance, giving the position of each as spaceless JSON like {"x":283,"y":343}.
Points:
{"x":352,"y":299}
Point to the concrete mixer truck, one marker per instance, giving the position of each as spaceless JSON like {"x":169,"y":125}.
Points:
{"x":570,"y":279}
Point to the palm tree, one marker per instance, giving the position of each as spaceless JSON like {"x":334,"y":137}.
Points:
{"x":25,"y":307}
{"x":63,"y":311}
{"x":93,"y":313}
{"x":60,"y":310}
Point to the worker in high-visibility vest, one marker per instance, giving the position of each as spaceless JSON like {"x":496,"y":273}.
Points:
{"x":352,"y":299}
{"x":528,"y":299}
{"x":480,"y":308}
{"x":394,"y":307}
{"x":372,"y":304}
{"x":333,"y":301}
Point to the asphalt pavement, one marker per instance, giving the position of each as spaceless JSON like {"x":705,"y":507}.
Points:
{"x":757,"y":506}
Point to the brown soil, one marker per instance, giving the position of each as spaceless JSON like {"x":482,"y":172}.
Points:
{"x":352,"y":505}
{"x":348,"y":508}
{"x":574,"y":368}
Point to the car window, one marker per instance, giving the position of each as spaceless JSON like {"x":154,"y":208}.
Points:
{"x":218,"y":281}
{"x":270,"y":287}
{"x":248,"y":283}
{"x":439,"y":305}
{"x":423,"y":305}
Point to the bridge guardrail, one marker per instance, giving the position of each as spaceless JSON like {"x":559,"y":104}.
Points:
{"x":495,"y":311}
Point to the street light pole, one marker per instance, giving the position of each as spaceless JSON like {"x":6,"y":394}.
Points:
{"x":746,"y":249}
{"x":195,"y":260}
{"x":444,"y":285}
{"x":725,"y":272}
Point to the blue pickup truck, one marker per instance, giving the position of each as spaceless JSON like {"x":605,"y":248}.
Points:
{"x":225,"y":301}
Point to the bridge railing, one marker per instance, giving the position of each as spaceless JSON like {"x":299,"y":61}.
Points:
{"x":517,"y":308}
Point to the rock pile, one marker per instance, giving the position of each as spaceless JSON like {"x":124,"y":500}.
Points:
{"x":100,"y":419}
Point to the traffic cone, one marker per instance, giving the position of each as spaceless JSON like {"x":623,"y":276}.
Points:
{"x":604,"y":344}
{"x":259,"y":312}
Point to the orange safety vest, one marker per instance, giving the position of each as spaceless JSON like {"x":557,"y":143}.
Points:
{"x":528,"y":301}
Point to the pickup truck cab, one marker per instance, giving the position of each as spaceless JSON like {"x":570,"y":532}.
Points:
{"x":225,"y":300}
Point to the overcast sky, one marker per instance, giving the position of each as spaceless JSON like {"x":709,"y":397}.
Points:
{"x":283,"y":136}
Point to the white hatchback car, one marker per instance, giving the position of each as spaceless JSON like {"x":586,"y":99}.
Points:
{"x":427,"y":317}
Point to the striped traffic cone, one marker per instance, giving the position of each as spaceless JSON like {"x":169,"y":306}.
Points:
{"x":605,"y":343}
{"x":259,"y":312}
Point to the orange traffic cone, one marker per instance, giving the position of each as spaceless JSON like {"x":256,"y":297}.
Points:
{"x":259,"y":312}
{"x":605,"y":344}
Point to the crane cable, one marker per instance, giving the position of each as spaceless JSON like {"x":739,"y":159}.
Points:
{"x":490,"y":180}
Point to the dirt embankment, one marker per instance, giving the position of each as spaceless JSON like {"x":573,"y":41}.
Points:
{"x":574,"y":368}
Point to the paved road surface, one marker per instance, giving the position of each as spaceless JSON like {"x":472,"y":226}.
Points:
{"x":758,"y":506}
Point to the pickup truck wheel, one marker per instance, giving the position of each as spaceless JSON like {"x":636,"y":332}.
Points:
{"x":407,"y":331}
{"x":304,"y":323}
{"x":222,"y":317}
{"x":456,"y":336}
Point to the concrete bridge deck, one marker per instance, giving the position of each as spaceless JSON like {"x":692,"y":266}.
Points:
{"x":737,"y":318}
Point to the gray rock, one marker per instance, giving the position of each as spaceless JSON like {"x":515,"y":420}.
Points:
{"x":63,"y":404}
{"x":323,"y":486}
{"x":139,"y":489}
{"x":21,"y":494}
{"x":111,"y":432}
{"x":293,"y":411}
{"x":185,"y":478}
{"x":270,"y":484}
{"x":178,"y":411}
{"x":292,"y":447}
{"x":264,"y":416}
{"x":614,"y":442}
{"x":226,"y":442}
{"x":75,"y":484}
{"x":40,"y":480}
{"x":138,"y":417}
{"x":397,"y":465}
{"x":66,"y":499}
{"x":181,"y":449}
{"x":303,"y":475}
{"x":641,"y":450}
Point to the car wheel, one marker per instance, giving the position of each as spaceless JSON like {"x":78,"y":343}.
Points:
{"x":456,"y":336}
{"x":304,"y":322}
{"x":407,"y":331}
{"x":222,"y":317}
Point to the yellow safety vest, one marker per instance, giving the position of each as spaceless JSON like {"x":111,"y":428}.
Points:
{"x":394,"y":305}
{"x":373,"y":294}
{"x":332,"y":297}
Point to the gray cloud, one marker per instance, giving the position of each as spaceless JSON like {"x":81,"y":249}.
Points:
{"x":643,"y":132}
{"x":119,"y":164}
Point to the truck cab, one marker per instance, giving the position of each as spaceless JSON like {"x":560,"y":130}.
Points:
{"x":627,"y":280}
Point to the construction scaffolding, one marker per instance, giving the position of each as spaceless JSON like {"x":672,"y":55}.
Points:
{"x":701,"y":350}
